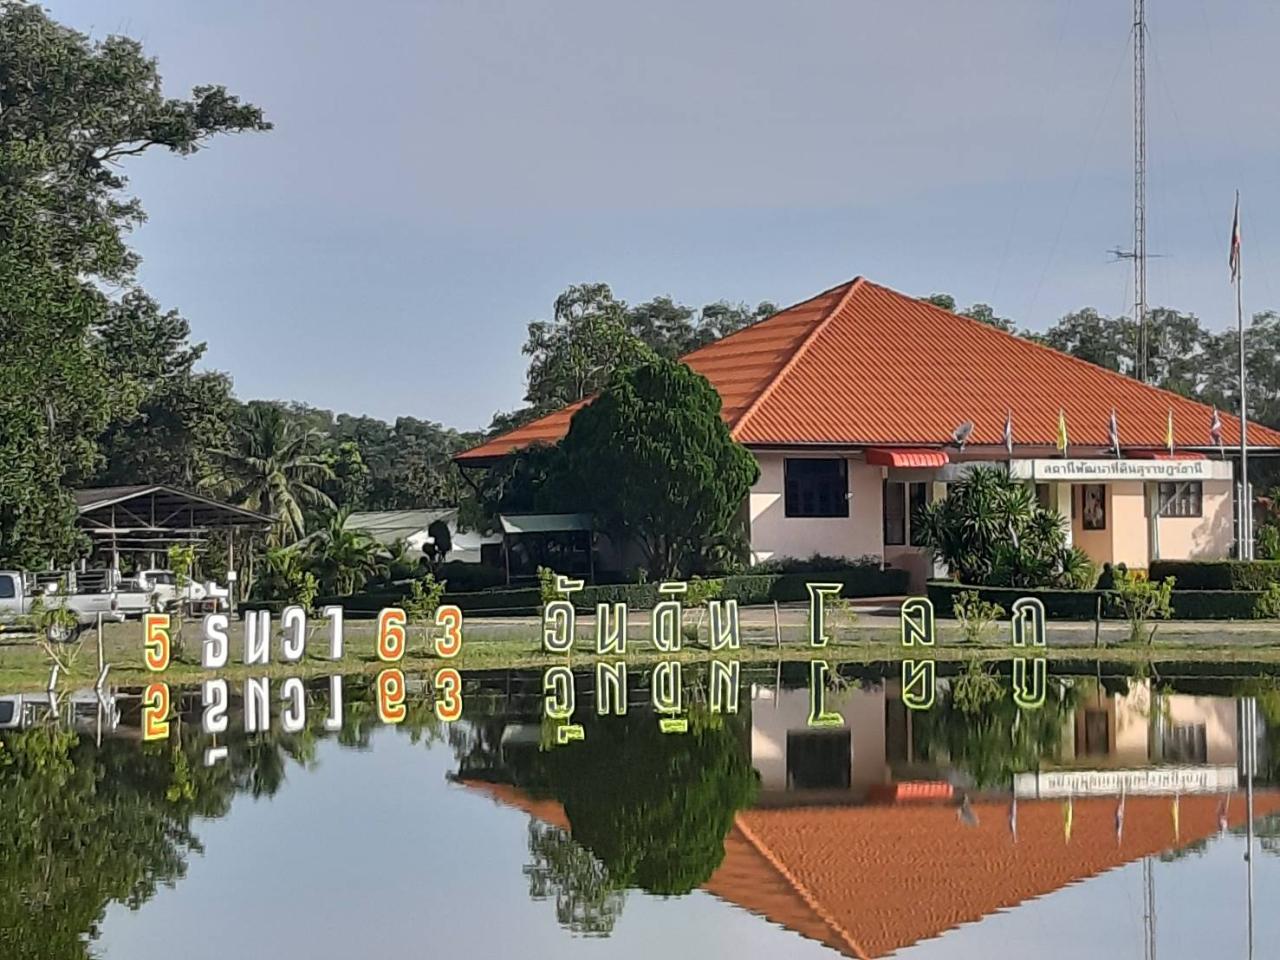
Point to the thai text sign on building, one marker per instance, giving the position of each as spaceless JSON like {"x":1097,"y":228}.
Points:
{"x":1103,"y":471}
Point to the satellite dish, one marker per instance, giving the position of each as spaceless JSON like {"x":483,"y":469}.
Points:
{"x":960,"y":436}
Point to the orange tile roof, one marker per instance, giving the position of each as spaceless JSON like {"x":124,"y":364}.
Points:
{"x":869,"y":880}
{"x":862,"y":364}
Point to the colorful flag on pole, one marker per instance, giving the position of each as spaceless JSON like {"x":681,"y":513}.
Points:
{"x":1215,"y":429}
{"x":1168,"y":431}
{"x":1008,"y":432}
{"x":1062,"y":431}
{"x":1114,"y":432}
{"x":1234,"y":259}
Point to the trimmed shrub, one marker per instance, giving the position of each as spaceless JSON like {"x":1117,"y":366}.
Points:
{"x":747,"y":589}
{"x":1058,"y":604}
{"x":1218,"y":604}
{"x":1218,"y":574}
{"x":815,"y":563}
{"x":1082,"y":604}
{"x":468,"y":577}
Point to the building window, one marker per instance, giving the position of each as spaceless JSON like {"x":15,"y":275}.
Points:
{"x":1181,"y":499}
{"x":1097,"y":733}
{"x":1044,"y":496}
{"x":819,"y":760}
{"x":1186,"y":743}
{"x":917,"y":498}
{"x":7,"y":591}
{"x":816,"y":488}
{"x":902,"y":502}
{"x":895,"y":513}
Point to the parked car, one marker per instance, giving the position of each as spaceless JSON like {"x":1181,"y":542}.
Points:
{"x":162,"y":585}
{"x":19,"y":591}
{"x":83,"y":709}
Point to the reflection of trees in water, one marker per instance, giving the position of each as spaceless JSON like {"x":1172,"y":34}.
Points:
{"x":996,"y":740}
{"x":654,"y":808}
{"x":82,"y":827}
{"x":588,"y":900}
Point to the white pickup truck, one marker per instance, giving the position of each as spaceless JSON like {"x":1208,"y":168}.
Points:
{"x":18,"y":592}
{"x":197,"y":597}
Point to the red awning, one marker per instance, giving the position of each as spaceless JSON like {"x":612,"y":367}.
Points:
{"x":1166,"y":455}
{"x":906,"y":457}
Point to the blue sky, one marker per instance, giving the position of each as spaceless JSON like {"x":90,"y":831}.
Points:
{"x":441,"y":169}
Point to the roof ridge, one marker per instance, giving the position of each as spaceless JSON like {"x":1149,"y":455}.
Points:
{"x":755,"y":323}
{"x":1061,"y":354}
{"x":855,"y":284}
{"x":836,"y":927}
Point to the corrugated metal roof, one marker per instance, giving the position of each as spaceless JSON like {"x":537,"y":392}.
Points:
{"x":544,"y":522}
{"x":388,"y":526}
{"x":864,"y":365}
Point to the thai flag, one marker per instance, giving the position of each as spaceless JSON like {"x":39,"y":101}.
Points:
{"x":1234,"y":259}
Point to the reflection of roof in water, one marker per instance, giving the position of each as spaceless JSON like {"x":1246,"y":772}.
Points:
{"x":870,"y":880}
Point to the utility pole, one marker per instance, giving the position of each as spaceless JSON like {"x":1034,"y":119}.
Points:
{"x":1140,"y":182}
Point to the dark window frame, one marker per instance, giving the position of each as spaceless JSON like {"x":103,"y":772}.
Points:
{"x":807,"y":494}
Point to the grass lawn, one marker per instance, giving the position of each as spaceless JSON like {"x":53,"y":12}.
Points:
{"x":493,"y":644}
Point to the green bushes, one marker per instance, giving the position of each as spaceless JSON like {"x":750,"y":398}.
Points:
{"x":860,"y":581}
{"x":1058,"y":604}
{"x":461,"y":577}
{"x":1083,"y":604}
{"x":1218,"y":574}
{"x":1140,"y":601}
{"x":815,"y":563}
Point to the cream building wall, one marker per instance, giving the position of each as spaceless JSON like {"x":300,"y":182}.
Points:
{"x":1126,"y":539}
{"x":774,"y":534}
{"x":775,"y":713}
{"x":1209,"y":536}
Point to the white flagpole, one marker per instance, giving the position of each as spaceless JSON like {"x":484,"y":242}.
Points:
{"x":1246,"y":511}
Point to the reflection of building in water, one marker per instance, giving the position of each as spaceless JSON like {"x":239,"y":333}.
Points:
{"x":796,"y":761}
{"x":1135,"y":739}
{"x":868,"y":880}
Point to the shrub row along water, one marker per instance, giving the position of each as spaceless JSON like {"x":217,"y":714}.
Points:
{"x":745,"y":588}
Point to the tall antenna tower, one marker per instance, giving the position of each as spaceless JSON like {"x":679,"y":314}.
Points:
{"x":1140,"y":181}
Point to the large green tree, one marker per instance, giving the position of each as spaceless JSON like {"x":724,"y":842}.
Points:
{"x":653,"y":460}
{"x":182,"y":415}
{"x":72,"y":111}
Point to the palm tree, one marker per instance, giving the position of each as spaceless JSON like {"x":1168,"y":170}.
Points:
{"x":344,"y":559}
{"x":276,"y":468}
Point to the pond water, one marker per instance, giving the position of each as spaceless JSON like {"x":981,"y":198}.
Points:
{"x":776,"y":820}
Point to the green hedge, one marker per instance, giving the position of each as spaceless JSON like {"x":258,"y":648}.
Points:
{"x":1248,"y":575}
{"x":1082,"y":604}
{"x":1058,"y":604}
{"x":1216,"y":604}
{"x":746,"y":589}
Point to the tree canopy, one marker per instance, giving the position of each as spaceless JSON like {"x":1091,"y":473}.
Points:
{"x":71,"y":111}
{"x":653,"y":808}
{"x":653,"y":460}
